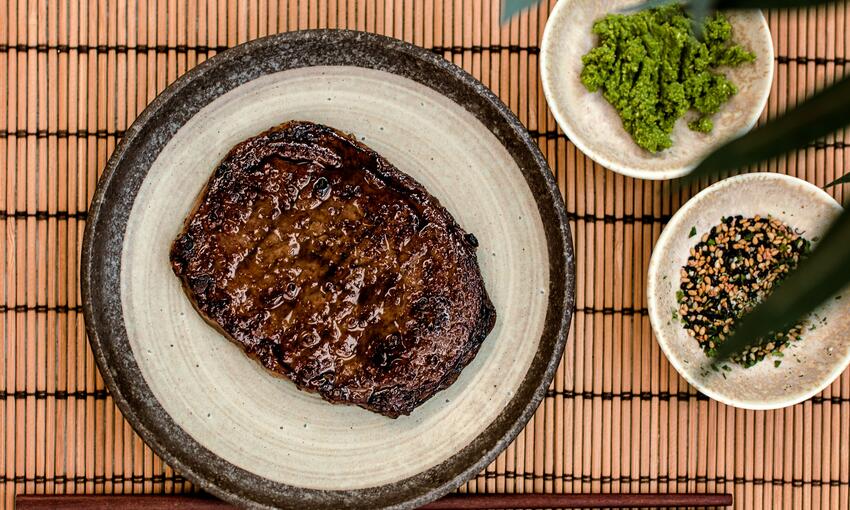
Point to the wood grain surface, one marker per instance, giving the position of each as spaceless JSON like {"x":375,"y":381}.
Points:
{"x":73,"y":76}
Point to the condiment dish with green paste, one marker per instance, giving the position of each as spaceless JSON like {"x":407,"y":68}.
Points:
{"x":703,"y":271}
{"x":640,"y":94}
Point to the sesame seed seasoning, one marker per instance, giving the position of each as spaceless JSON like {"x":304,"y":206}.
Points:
{"x":732,"y":269}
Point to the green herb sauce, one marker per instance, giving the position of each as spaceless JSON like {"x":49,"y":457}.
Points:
{"x":652,"y":68}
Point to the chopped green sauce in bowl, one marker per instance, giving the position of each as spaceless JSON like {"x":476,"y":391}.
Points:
{"x":640,"y":94}
{"x":652,"y":68}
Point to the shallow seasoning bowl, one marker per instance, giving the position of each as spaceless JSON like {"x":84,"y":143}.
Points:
{"x":808,"y":365}
{"x":593,"y":124}
{"x":217,"y":416}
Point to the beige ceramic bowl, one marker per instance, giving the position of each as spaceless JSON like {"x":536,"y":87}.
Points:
{"x":808,"y":365}
{"x":595,"y":127}
{"x":217,"y":416}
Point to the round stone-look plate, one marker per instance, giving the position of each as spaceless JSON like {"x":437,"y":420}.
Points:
{"x":595,"y":126}
{"x":217,"y":416}
{"x":808,"y":365}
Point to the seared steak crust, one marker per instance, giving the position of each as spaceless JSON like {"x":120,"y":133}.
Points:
{"x":333,"y":268}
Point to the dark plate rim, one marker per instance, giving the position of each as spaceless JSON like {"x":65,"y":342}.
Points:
{"x":116,"y":193}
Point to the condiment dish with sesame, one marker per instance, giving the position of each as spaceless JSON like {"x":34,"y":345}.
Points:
{"x":721,"y":253}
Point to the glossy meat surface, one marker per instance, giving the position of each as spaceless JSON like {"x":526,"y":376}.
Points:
{"x":334,"y":269}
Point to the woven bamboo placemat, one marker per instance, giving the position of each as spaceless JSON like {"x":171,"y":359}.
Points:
{"x":74,"y":75}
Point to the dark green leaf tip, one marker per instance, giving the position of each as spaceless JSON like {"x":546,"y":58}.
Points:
{"x":844,"y":179}
{"x":512,"y":7}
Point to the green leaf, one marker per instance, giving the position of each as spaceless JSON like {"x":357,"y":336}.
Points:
{"x":765,"y":4}
{"x":704,"y":6}
{"x":826,"y":111}
{"x":700,"y":9}
{"x":819,"y":277}
{"x":696,"y":9}
{"x":648,"y":4}
{"x":841,"y":180}
{"x":512,"y":7}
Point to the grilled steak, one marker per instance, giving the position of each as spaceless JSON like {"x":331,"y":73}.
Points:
{"x":332,"y":268}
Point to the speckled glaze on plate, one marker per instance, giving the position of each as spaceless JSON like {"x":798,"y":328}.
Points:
{"x":217,"y":416}
{"x":594,"y":125}
{"x":809,"y":365}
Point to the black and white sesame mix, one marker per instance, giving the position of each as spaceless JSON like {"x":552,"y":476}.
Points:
{"x":730,"y":270}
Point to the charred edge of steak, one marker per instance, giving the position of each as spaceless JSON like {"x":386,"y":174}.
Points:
{"x":387,"y":381}
{"x":401,"y":401}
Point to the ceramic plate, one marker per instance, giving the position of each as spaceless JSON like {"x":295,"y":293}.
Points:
{"x":807,"y":366}
{"x":217,"y":416}
{"x":594,"y":125}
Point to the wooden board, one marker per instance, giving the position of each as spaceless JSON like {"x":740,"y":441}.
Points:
{"x":73,"y":76}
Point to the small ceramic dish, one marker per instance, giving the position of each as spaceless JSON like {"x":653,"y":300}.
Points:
{"x":594,"y":125}
{"x":808,"y":365}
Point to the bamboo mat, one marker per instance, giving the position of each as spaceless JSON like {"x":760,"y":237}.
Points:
{"x":75,"y":73}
